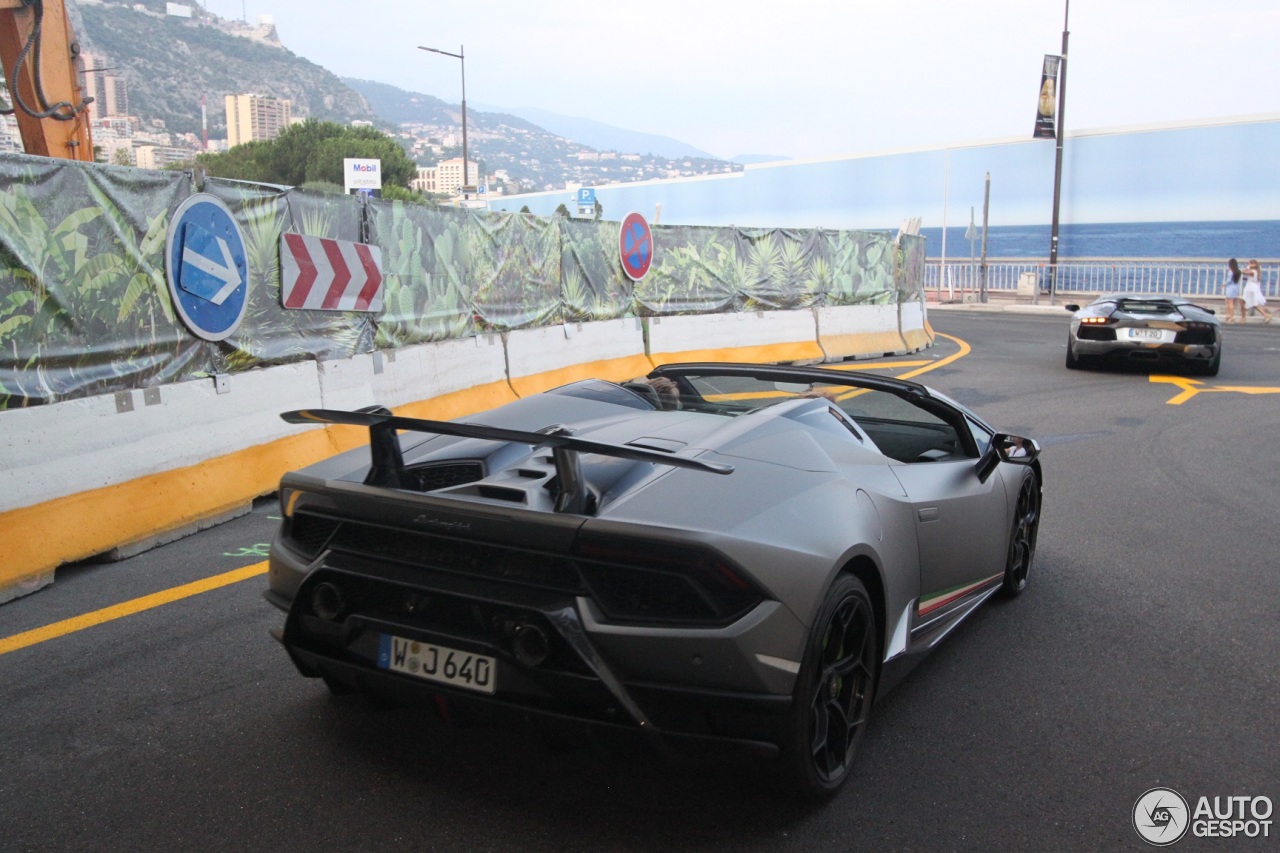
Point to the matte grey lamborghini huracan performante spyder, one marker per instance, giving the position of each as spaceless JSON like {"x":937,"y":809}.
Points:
{"x":1144,"y":328}
{"x":723,"y":556}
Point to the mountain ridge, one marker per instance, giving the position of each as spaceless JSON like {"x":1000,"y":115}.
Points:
{"x":170,"y":64}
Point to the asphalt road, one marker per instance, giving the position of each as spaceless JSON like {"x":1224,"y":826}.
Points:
{"x":1144,"y":653}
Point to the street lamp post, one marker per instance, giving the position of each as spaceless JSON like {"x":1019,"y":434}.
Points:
{"x":1057,"y":166}
{"x":461,"y":57}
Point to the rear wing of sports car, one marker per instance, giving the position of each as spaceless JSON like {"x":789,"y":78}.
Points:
{"x":388,"y":468}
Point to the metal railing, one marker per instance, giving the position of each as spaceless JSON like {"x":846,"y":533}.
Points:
{"x":1201,"y":278}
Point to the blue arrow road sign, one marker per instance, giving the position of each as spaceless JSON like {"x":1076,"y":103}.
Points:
{"x":207,"y":268}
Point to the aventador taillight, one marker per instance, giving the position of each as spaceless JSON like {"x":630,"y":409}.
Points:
{"x":1096,"y":321}
{"x":1196,"y":332}
{"x":654,"y":582}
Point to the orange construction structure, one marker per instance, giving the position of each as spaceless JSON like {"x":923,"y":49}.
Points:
{"x":41,"y":64}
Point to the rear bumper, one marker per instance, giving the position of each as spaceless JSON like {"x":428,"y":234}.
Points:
{"x":616,"y":682}
{"x":1142,"y":352}
{"x":687,"y":722}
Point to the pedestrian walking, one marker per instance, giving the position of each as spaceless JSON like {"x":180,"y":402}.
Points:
{"x":1252,"y":291}
{"x":1231,"y":291}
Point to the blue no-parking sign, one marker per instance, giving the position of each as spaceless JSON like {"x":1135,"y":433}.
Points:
{"x":206,"y":267}
{"x":635,"y":246}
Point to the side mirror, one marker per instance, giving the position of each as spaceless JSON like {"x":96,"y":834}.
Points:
{"x":1015,"y":448}
{"x":1072,"y":308}
{"x":1007,"y":448}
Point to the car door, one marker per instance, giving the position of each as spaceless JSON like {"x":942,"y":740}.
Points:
{"x":961,"y":524}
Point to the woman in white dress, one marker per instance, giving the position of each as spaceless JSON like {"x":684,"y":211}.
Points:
{"x":1252,"y":292}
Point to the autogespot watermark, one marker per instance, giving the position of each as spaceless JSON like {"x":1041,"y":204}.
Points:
{"x":1162,"y":816}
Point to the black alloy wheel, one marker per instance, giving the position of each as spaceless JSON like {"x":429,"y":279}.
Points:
{"x":835,"y":690}
{"x":1022,"y":540}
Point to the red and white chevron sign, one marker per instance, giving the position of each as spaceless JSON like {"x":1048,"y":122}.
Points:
{"x":320,"y":274}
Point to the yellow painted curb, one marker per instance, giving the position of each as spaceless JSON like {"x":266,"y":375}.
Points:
{"x":860,"y":344}
{"x":916,"y":339}
{"x":42,"y":537}
{"x":616,"y":369}
{"x":789,"y":352}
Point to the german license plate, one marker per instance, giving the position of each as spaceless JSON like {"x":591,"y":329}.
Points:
{"x":1146,"y":334}
{"x":437,"y":663}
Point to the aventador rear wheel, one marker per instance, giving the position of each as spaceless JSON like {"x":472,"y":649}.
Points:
{"x":1211,"y":367}
{"x":835,"y":690}
{"x":1022,"y":540}
{"x":1073,"y":361}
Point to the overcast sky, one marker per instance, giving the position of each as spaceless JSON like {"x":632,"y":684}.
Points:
{"x":805,"y":78}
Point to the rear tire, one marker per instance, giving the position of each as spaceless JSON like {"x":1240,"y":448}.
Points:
{"x":1073,"y":361}
{"x":1210,"y":367}
{"x":834,"y":691}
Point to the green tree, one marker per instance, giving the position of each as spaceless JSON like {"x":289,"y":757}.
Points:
{"x":393,"y":192}
{"x":312,"y":151}
{"x":561,"y":210}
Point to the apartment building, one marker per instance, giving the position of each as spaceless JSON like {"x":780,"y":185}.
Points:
{"x":109,"y":91}
{"x":256,"y":117}
{"x":445,"y":177}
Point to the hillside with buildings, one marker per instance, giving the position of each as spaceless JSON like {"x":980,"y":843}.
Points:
{"x":171,"y":80}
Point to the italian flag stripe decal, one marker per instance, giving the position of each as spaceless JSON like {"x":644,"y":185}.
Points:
{"x":941,"y":599}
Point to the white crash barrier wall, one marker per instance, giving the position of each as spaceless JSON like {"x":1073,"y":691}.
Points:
{"x":124,"y":472}
{"x":913,"y":322}
{"x":409,"y":376}
{"x":78,"y":445}
{"x":777,"y":336}
{"x":859,"y":331}
{"x":538,"y":359}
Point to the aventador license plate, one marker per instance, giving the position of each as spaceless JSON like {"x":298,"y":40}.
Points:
{"x":437,"y":663}
{"x":1146,"y":334}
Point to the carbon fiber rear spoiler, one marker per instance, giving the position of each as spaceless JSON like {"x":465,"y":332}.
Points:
{"x":388,"y":470}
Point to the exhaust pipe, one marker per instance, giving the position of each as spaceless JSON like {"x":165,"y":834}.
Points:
{"x":328,"y":602}
{"x":530,"y":644}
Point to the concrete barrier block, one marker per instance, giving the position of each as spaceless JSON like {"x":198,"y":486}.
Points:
{"x":79,"y":445}
{"x":762,"y":336}
{"x":859,"y":331}
{"x":449,"y":379}
{"x":916,"y":331}
{"x":552,"y":356}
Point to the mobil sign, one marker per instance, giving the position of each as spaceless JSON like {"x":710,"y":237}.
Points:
{"x":361,"y":174}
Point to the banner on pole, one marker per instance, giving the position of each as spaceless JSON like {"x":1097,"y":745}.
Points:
{"x":1047,"y":108}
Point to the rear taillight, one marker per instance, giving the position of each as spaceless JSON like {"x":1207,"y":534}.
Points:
{"x":657,"y":582}
{"x":1196,"y":332}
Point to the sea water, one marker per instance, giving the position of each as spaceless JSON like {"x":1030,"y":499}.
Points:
{"x":1167,"y":240}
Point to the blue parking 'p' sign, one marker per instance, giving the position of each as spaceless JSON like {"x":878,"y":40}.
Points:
{"x":635,"y":246}
{"x":207,"y":268}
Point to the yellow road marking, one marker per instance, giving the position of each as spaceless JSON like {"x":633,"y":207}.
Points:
{"x":128,"y":608}
{"x":167,"y":596}
{"x":1192,"y":387}
{"x":879,"y":365}
{"x":963,"y":350}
